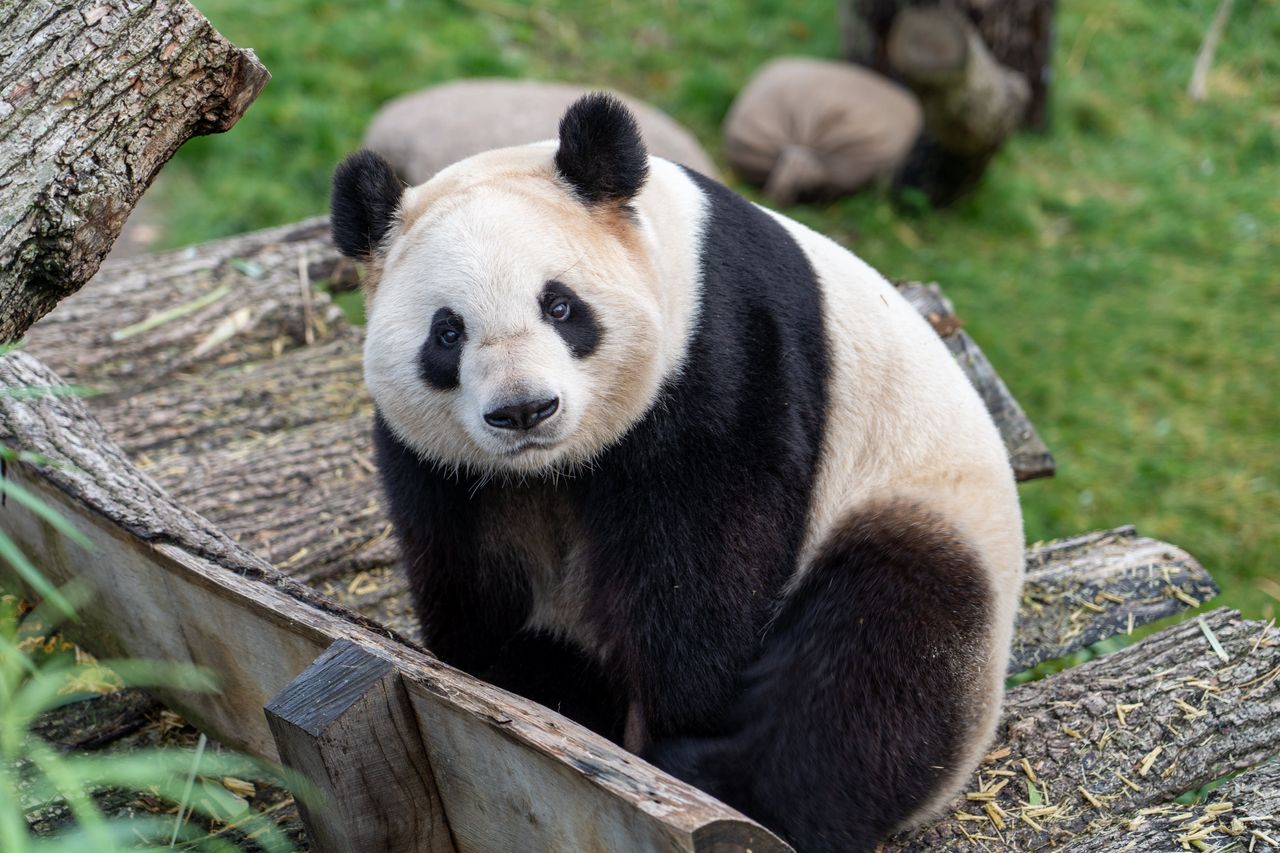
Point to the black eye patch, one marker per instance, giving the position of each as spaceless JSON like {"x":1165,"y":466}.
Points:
{"x":442,"y":350}
{"x":579,"y":328}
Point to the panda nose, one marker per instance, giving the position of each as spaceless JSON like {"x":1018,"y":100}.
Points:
{"x":522,"y":416}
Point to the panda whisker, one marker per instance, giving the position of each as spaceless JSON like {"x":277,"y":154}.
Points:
{"x":570,"y":267}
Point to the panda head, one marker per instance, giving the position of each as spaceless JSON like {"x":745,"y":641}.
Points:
{"x":513,"y":307}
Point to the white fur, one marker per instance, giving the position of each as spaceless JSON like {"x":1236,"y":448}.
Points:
{"x":485,"y":235}
{"x":905,"y":424}
{"x":484,"y":247}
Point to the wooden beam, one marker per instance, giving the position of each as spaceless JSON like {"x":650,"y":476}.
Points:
{"x":94,"y":99}
{"x":346,"y":724}
{"x":1088,"y":588}
{"x":1120,"y":733}
{"x":506,"y":776}
{"x":171,"y":586}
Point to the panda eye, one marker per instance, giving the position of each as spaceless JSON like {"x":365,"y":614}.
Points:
{"x":558,"y":309}
{"x":448,"y":337}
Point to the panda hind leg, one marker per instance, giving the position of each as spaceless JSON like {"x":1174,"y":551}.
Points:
{"x":871,"y":685}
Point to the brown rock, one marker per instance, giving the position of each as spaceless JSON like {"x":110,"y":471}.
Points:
{"x":806,"y":128}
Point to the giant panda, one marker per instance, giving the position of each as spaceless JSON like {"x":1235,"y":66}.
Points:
{"x":688,"y":472}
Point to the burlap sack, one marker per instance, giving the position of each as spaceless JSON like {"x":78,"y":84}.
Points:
{"x":805,"y":128}
{"x":425,"y":131}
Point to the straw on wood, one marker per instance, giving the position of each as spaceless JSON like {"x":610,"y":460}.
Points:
{"x":1243,"y":814}
{"x":1191,"y":719}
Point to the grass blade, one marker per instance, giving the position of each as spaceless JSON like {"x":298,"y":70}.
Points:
{"x":186,"y":794}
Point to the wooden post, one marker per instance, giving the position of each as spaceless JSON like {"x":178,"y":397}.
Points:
{"x":346,"y":724}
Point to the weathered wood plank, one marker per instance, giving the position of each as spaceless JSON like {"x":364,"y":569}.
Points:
{"x":1243,"y":814}
{"x":1120,"y":733}
{"x":1088,"y":588}
{"x":171,"y":586}
{"x":506,"y":776}
{"x":94,"y":98}
{"x":1027,"y":451}
{"x":346,"y":724}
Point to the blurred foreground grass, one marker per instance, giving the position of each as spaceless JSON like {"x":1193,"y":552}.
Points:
{"x":1122,"y":271}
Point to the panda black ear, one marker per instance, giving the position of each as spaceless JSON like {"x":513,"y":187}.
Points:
{"x":366,"y":193}
{"x":601,"y":156}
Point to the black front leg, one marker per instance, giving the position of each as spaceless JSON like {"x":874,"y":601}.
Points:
{"x":564,"y":678}
{"x":469,"y":606}
{"x":473,"y":601}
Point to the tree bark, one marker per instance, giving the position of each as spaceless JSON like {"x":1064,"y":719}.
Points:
{"x":1088,"y":588}
{"x":1245,"y":812}
{"x":95,"y":96}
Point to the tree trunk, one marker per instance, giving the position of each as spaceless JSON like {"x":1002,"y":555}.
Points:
{"x":95,"y":96}
{"x":971,"y":102}
{"x":1019,"y":34}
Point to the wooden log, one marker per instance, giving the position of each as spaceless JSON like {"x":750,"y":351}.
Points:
{"x":1018,"y":33}
{"x":148,"y":319}
{"x":1242,"y":814}
{"x":971,"y":102}
{"x":94,"y":98}
{"x":346,"y":724}
{"x":257,"y":272}
{"x":1118,"y":734}
{"x":1088,"y":588}
{"x":1030,"y":457}
{"x":314,"y":384}
{"x":97,"y":721}
{"x":170,"y":586}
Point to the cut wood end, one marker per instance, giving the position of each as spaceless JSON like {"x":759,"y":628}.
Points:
{"x":246,"y":81}
{"x":929,"y":45}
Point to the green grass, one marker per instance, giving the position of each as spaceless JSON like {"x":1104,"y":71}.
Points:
{"x":1122,"y":271}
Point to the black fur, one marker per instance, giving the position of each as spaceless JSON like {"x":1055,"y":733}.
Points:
{"x":601,"y":154}
{"x":853,"y":714}
{"x":472,"y":594}
{"x":689,"y":527}
{"x":696,"y":518}
{"x":366,"y":193}
{"x":691,"y":523}
{"x":437,"y":361}
{"x":581,"y":331}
